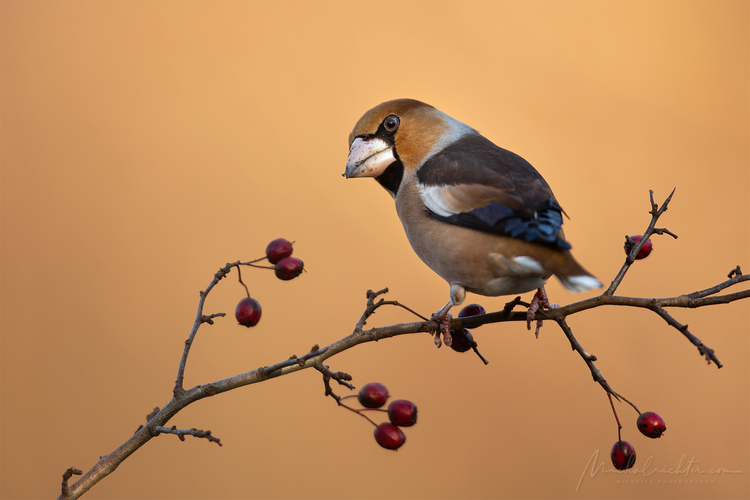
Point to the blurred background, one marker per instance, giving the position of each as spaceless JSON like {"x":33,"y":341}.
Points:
{"x":146,"y":144}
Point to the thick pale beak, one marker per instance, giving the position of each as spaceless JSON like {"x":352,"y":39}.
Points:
{"x":368,"y":157}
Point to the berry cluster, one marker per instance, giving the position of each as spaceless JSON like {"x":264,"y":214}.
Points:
{"x":279,"y":253}
{"x":623,"y":453}
{"x":286,"y":267}
{"x":401,"y":413}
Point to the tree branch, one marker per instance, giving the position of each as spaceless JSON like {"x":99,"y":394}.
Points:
{"x":157,"y":420}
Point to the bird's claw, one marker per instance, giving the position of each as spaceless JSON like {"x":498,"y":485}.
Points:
{"x":445,"y":328}
{"x":540,"y":301}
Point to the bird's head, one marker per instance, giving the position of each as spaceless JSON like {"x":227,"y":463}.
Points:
{"x":395,"y":138}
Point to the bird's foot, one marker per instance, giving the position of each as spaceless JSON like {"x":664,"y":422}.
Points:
{"x":444,"y":320}
{"x":540,"y":301}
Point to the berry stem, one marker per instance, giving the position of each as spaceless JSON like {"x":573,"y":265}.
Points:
{"x":619,"y":425}
{"x":265,"y":257}
{"x":239,"y":276}
{"x":628,"y":402}
{"x":250,"y":264}
{"x":358,"y":412}
{"x":480,"y":355}
{"x":397,"y":303}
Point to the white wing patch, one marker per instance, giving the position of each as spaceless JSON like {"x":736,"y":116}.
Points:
{"x":455,"y":199}
{"x":432,"y":197}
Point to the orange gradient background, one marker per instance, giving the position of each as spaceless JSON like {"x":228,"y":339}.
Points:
{"x":146,"y":144}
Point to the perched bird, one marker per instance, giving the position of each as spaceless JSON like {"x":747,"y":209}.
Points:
{"x":478,"y":215}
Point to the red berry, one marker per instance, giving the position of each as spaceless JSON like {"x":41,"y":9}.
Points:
{"x":288,"y":268}
{"x":462,"y":340}
{"x":645,"y":249}
{"x":623,"y":455}
{"x":248,"y":312}
{"x":471,"y":310}
{"x":402,"y":412}
{"x":373,"y":395}
{"x":651,"y":425}
{"x":278,"y":249}
{"x":389,"y":436}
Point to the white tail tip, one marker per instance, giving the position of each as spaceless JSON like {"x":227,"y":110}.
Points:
{"x":580,"y":283}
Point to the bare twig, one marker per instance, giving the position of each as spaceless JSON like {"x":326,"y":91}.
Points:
{"x":68,"y":474}
{"x":733,"y":280}
{"x":180,"y":433}
{"x":661,"y":231}
{"x":341,"y":378}
{"x":210,"y":318}
{"x":587,"y":357}
{"x":220,"y":274}
{"x":655,"y":214}
{"x":201,"y":318}
{"x":371,"y":307}
{"x":707,"y":352}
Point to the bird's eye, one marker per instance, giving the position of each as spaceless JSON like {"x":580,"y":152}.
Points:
{"x":391,"y":123}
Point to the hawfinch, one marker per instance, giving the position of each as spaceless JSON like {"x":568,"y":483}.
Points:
{"x":478,"y":215}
